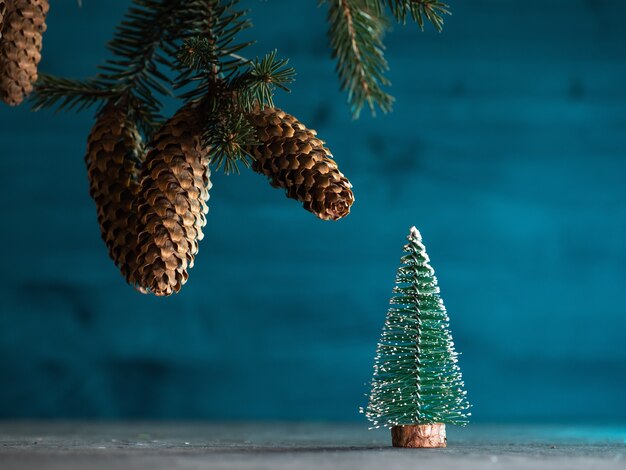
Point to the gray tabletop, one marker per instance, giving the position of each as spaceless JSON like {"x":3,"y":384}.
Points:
{"x":276,"y":446}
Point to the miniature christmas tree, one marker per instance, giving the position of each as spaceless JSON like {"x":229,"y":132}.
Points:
{"x":417,"y":386}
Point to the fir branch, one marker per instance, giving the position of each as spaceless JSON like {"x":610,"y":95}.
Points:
{"x":206,"y":61}
{"x":227,"y":102}
{"x":63,"y":93}
{"x":356,"y":35}
{"x":148,"y":26}
{"x":145,"y":39}
{"x":210,"y":48}
{"x":228,"y":136}
{"x":198,"y":53}
{"x":432,"y":10}
{"x":254,"y":86}
{"x":226,"y":85}
{"x":258,"y":84}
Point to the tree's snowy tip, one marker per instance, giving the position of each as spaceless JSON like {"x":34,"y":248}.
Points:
{"x":415,"y":234}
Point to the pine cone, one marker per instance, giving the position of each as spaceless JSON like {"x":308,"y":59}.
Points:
{"x":114,"y":157}
{"x":172,"y":203}
{"x":22,"y":29}
{"x":3,"y":9}
{"x":292,"y":157}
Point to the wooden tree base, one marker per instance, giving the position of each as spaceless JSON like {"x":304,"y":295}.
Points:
{"x":419,"y":435}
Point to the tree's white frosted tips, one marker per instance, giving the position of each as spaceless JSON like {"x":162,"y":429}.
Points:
{"x":415,"y":234}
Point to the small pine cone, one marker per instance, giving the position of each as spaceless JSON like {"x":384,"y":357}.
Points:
{"x":23,"y":25}
{"x":114,"y":156}
{"x":172,"y":203}
{"x":292,"y":157}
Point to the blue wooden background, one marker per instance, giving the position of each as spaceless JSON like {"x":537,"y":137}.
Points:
{"x":507,"y":148}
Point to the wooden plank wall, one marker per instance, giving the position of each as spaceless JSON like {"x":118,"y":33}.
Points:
{"x":507,"y":148}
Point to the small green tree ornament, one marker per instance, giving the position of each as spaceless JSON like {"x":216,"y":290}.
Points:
{"x":417,"y":386}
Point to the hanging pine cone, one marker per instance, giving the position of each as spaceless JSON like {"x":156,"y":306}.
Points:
{"x":3,"y":8}
{"x":292,"y":157}
{"x":23,"y":25}
{"x":114,"y":157}
{"x":172,"y":203}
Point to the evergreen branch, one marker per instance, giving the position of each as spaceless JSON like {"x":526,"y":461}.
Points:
{"x":228,"y":101}
{"x":147,"y":24}
{"x":227,"y":85}
{"x":432,"y":10}
{"x":356,"y":36}
{"x":228,"y":136}
{"x":198,"y":53}
{"x":68,"y":94}
{"x":258,"y":83}
{"x":149,"y":27}
{"x":210,"y":47}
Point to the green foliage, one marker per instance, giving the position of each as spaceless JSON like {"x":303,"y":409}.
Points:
{"x":263,"y":77}
{"x":356,"y":38}
{"x":356,"y":32}
{"x":198,"y":54}
{"x":144,"y":41}
{"x":432,"y":10}
{"x":229,"y":88}
{"x":211,"y":28}
{"x":197,"y":41}
{"x":68,"y":94}
{"x":228,"y":135}
{"x":191,"y":47}
{"x":228,"y":101}
{"x":416,"y":377}
{"x":227,"y":85}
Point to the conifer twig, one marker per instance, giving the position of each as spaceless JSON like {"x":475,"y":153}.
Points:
{"x":432,"y":10}
{"x":197,"y":39}
{"x":145,"y":39}
{"x":227,"y":86}
{"x":68,"y":93}
{"x":356,"y":35}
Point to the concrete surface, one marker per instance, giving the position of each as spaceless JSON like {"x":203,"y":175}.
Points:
{"x":277,"y":446}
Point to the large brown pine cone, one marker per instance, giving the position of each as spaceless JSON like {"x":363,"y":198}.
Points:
{"x":22,"y":28}
{"x":114,"y":157}
{"x":292,"y":157}
{"x":172,"y":203}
